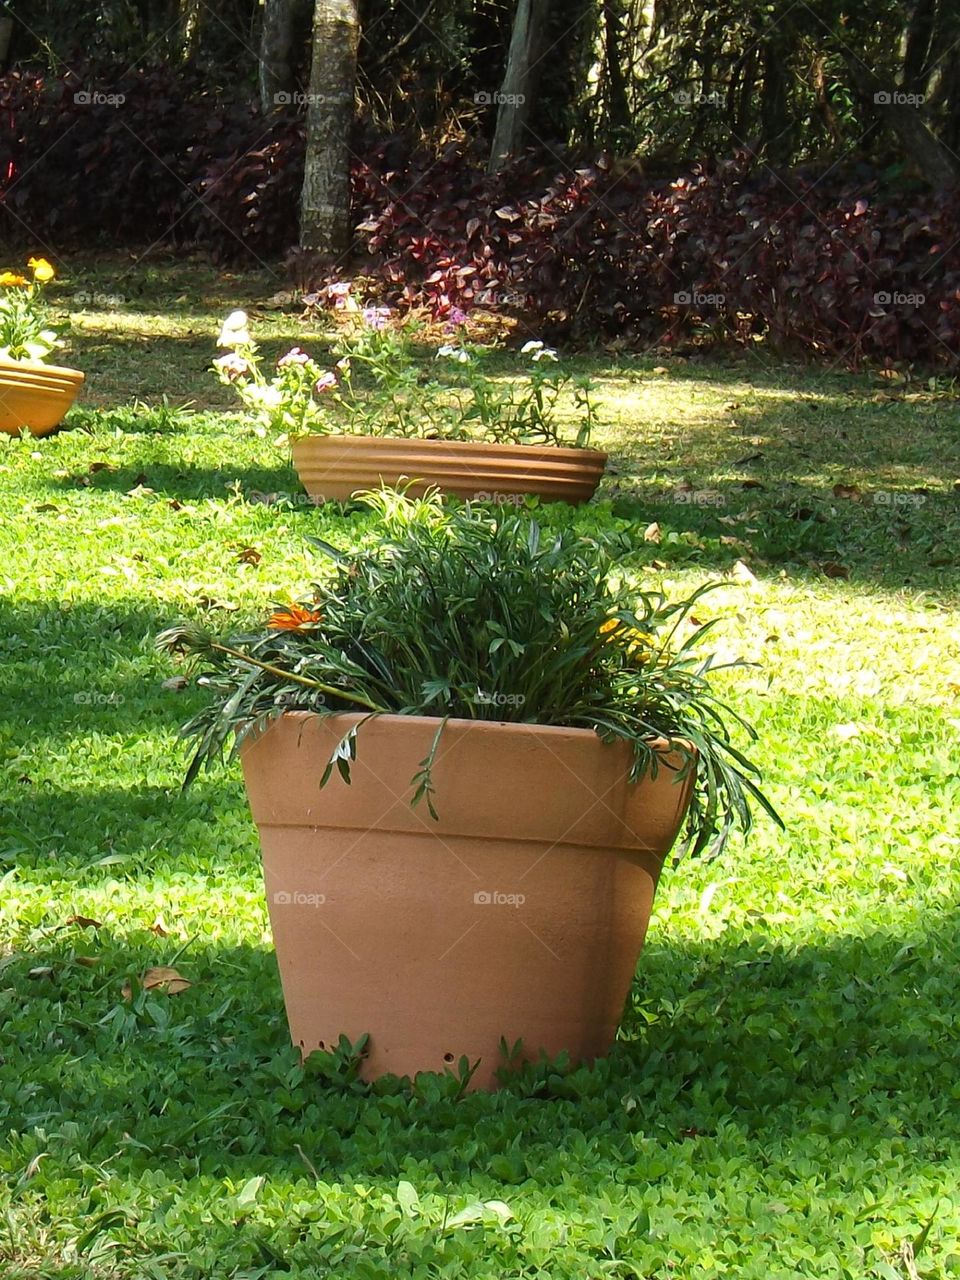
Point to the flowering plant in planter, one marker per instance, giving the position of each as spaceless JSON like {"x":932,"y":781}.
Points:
{"x":378,"y":388}
{"x":26,"y":329}
{"x":477,"y":615}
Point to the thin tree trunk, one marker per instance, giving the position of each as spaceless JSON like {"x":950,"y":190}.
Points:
{"x":618,"y":119}
{"x":189,"y":28}
{"x":276,"y":49}
{"x":514,"y":98}
{"x":325,"y":204}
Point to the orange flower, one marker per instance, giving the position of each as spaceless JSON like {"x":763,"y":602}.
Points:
{"x":293,"y":618}
{"x":41,"y":268}
{"x":9,"y":278}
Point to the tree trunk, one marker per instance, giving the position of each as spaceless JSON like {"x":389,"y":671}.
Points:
{"x":919,"y":145}
{"x":916,"y":41}
{"x":276,"y":48}
{"x":618,"y":106}
{"x":325,"y":204}
{"x":6,"y":34}
{"x":514,"y":98}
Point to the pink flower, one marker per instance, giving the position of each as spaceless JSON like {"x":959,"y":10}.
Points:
{"x":296,"y":355}
{"x":326,"y":382}
{"x":376,"y":317}
{"x":338,"y":293}
{"x":457,"y":316}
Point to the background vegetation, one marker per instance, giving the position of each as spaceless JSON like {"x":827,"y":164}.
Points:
{"x":782,"y":1102}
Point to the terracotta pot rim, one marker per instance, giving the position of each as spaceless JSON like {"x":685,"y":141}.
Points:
{"x":521,"y":727}
{"x":41,"y":366}
{"x":407,"y":442}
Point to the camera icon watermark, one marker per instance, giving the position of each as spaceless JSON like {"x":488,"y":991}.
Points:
{"x":894,"y":97}
{"x":298,"y":899}
{"x":896,"y":299}
{"x":688,"y":298}
{"x":103,"y":300}
{"x":699,"y":497}
{"x":497,"y":298}
{"x":496,"y":99}
{"x":483,"y":698}
{"x":684,"y":98}
{"x":887,"y":499}
{"x":498,"y":498}
{"x":300,"y":99}
{"x":94,"y":98}
{"x":94,"y":698}
{"x":494,"y":898}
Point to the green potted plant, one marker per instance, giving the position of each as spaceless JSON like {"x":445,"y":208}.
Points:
{"x":34,"y":395}
{"x":377,"y":418}
{"x":468,"y":753}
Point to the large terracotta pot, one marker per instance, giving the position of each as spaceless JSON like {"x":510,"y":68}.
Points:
{"x":336,"y":467}
{"x":519,"y":914}
{"x":34,"y":397}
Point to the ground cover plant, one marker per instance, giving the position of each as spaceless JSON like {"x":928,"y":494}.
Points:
{"x":783,"y":1100}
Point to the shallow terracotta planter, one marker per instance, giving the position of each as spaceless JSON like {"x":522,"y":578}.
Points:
{"x":34,"y":397}
{"x":336,"y":467}
{"x":519,"y":914}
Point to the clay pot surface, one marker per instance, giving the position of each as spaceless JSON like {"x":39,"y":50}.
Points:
{"x":35,"y":397}
{"x":520,"y":914}
{"x":335,"y":467}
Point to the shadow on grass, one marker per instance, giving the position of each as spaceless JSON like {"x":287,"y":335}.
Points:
{"x":836,"y":1040}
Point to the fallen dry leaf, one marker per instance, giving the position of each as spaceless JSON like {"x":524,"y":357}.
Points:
{"x":159,"y":928}
{"x":833,"y":570}
{"x":161,"y":978}
{"x":88,"y":962}
{"x":850,"y":491}
{"x":83,"y":922}
{"x":652,"y":532}
{"x":249,"y":555}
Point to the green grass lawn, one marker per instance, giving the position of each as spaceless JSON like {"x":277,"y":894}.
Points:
{"x":784,"y":1100}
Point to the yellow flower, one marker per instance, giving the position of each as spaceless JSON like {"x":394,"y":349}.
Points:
{"x":637,"y":643}
{"x":41,"y":268}
{"x":8,"y":278}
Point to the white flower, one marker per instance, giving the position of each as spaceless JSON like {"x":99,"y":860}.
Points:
{"x":267,"y":397}
{"x":545,"y":353}
{"x":531,"y":346}
{"x":454,"y":353}
{"x":235,"y":331}
{"x":231,"y":366}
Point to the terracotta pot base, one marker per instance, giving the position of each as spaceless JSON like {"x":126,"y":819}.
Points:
{"x":519,"y":916}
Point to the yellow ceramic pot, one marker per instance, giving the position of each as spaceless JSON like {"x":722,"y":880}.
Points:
{"x":34,"y":397}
